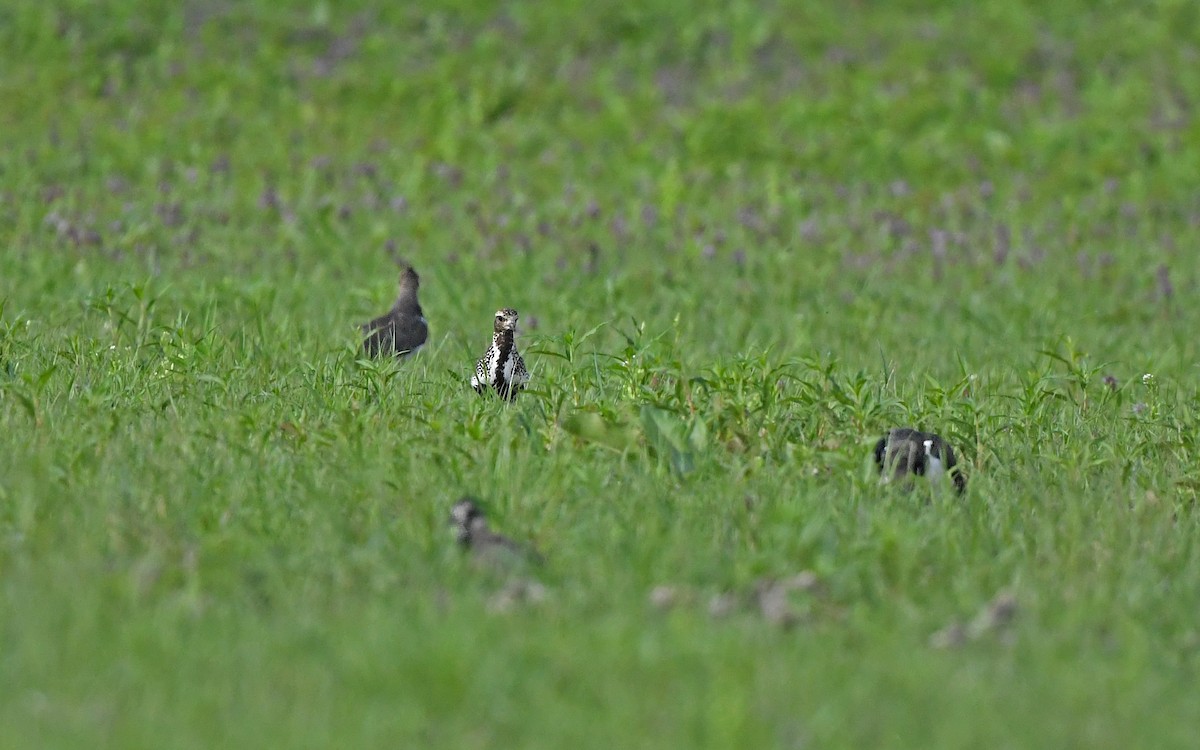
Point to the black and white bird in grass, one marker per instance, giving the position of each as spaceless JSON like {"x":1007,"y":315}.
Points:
{"x":488,"y":549}
{"x":905,"y":451}
{"x":501,"y":367}
{"x":403,"y":330}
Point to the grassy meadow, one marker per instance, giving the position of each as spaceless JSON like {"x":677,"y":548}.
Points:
{"x":745,"y":239}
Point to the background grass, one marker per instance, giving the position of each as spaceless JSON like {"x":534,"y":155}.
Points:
{"x":745,"y":239}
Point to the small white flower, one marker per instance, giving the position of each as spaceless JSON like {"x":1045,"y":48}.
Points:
{"x":1148,"y":379}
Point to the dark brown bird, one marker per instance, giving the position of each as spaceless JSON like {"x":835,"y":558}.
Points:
{"x":403,"y":330}
{"x":905,"y":451}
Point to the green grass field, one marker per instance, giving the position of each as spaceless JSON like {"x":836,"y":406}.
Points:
{"x":745,"y":240}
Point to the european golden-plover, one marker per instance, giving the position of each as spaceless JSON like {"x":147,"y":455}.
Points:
{"x":501,"y":367}
{"x":403,"y":330}
{"x":488,"y":549}
{"x":905,"y":451}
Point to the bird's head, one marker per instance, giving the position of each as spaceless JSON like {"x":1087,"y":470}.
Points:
{"x":409,"y":280}
{"x":465,"y":516}
{"x":506,"y":320}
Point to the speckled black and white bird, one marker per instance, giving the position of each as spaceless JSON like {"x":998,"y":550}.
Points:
{"x":488,"y":549}
{"x":403,"y":330}
{"x":501,"y":367}
{"x":905,"y":451}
